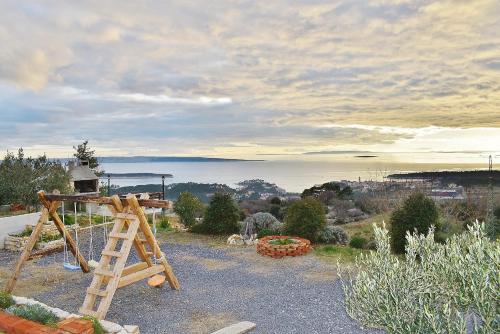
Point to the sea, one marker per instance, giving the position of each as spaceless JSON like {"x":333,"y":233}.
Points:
{"x":294,"y":174}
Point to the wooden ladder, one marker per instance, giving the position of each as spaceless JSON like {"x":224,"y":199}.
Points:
{"x":111,"y":272}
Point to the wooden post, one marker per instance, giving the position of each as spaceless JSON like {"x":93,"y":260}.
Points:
{"x":27,"y":249}
{"x":144,"y":226}
{"x":52,"y":207}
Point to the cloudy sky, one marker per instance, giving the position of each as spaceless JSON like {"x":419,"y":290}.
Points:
{"x":245,"y":78}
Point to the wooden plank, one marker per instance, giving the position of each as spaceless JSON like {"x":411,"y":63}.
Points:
{"x":27,"y":250}
{"x":103,"y":272}
{"x":140,"y":275}
{"x":52,"y":207}
{"x":148,"y":234}
{"x":111,"y":253}
{"x":101,"y":293}
{"x":118,"y":235}
{"x":149,"y":203}
{"x":134,"y":268}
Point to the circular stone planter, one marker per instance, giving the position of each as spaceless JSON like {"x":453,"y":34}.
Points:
{"x":300,"y":247}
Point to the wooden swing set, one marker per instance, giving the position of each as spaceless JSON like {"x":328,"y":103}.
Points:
{"x":130,"y":228}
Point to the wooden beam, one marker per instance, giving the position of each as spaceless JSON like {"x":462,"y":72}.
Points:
{"x":27,"y":249}
{"x":149,"y":203}
{"x":52,"y":207}
{"x":140,"y":275}
{"x":151,"y":240}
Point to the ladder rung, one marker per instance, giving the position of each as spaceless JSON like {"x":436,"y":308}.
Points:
{"x":143,"y":240}
{"x":149,"y":253}
{"x":102,"y":293}
{"x":88,"y":312}
{"x":118,"y":235}
{"x":111,"y":253}
{"x":127,"y":216}
{"x":102,"y":272}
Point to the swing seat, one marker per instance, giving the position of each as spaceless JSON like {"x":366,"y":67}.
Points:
{"x":71,"y":267}
{"x":156,"y":281}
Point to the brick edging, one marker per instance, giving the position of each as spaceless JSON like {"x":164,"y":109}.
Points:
{"x":12,"y":324}
{"x":279,"y":251}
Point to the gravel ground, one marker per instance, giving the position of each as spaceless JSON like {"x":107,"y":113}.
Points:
{"x":219,"y":286}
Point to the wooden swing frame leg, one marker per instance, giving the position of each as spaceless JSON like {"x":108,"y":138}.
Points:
{"x":49,"y":210}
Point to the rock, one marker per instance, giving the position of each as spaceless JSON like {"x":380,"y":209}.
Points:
{"x":110,"y":327}
{"x":58,"y":312}
{"x":132,"y":329}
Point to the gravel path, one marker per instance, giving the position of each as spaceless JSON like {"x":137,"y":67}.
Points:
{"x":219,"y":286}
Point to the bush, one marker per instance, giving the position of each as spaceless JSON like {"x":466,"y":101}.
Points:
{"x":69,"y":219}
{"x":417,"y":213}
{"x":6,"y":300}
{"x":35,"y":313}
{"x":98,"y":329}
{"x":275,"y":201}
{"x":221,"y":216}
{"x":305,"y":218}
{"x":333,"y":235}
{"x":434,"y":289}
{"x":188,"y":207}
{"x":261,"y":221}
{"x":358,"y":242}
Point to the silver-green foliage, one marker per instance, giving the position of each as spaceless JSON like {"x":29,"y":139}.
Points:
{"x":333,"y":235}
{"x":436,"y":288}
{"x":259,"y":222}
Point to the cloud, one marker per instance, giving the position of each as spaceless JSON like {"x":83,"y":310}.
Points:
{"x":299,"y":76}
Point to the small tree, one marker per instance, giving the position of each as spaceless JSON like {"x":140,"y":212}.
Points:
{"x":305,"y":218}
{"x":417,"y":213}
{"x":188,"y":207}
{"x":221,"y":216}
{"x":83,"y":152}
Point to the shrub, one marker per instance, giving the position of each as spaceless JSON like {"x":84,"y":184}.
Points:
{"x":417,"y":213}
{"x":333,"y":235}
{"x":358,"y":242}
{"x":305,"y":218}
{"x":188,"y":207}
{"x":69,"y":219}
{"x":261,"y":221}
{"x":35,"y":313}
{"x":6,"y":300}
{"x":98,"y":329}
{"x":435,"y":289}
{"x":221,"y":216}
{"x":275,"y":201}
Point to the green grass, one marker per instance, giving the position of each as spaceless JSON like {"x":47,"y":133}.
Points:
{"x":335,"y":252}
{"x":364,"y":228}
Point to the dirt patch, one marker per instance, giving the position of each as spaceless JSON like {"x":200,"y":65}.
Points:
{"x":319,"y":276}
{"x":187,"y":238}
{"x":209,"y":264}
{"x":35,"y":279}
{"x":205,"y":322}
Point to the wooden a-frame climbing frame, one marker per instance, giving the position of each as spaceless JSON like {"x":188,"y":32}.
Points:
{"x":111,"y":272}
{"x":129,"y":223}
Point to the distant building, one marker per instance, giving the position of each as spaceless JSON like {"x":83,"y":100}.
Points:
{"x":82,"y":178}
{"x":447,"y":194}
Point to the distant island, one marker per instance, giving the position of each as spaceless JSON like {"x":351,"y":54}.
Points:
{"x":246,"y":190}
{"x":463,"y":178}
{"x":366,"y":156}
{"x":136,"y":159}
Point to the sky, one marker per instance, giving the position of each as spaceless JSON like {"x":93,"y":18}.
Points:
{"x":249,"y":79}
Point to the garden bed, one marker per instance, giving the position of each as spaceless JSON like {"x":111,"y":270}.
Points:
{"x":46,"y":319}
{"x":278,"y":246}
